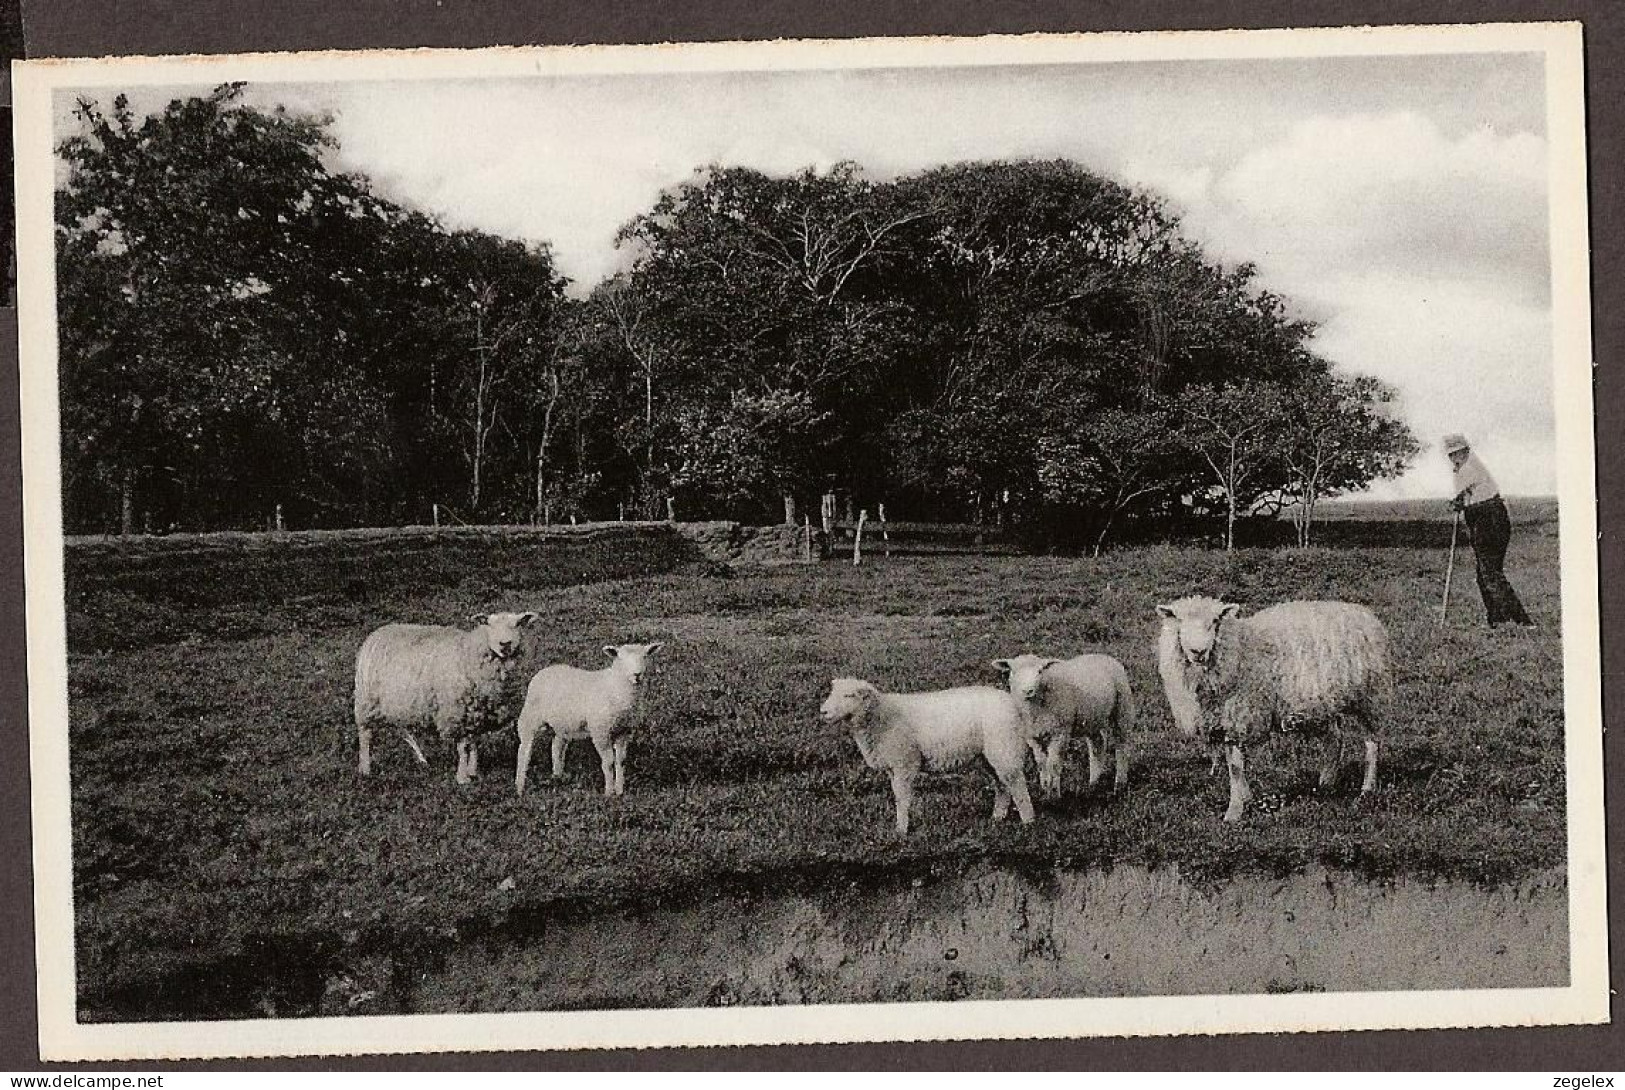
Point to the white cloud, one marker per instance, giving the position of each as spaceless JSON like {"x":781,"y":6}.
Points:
{"x":1464,"y":360}
{"x":1392,"y":192}
{"x":1423,"y":258}
{"x":1187,"y":187}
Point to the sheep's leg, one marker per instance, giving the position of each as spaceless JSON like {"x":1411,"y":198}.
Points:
{"x":1001,"y":797}
{"x":364,"y":735}
{"x":902,"y":789}
{"x":522,"y":765}
{"x":1218,"y":758}
{"x":1014,"y":784}
{"x":606,"y":761}
{"x":1240,"y":793}
{"x":473,"y":758}
{"x":1370,"y":783}
{"x":1332,"y":757}
{"x":1120,"y":779}
{"x":560,"y":743}
{"x":1095,"y":768}
{"x":1038,"y":759}
{"x":620,"y":766}
{"x":1052,"y":766}
{"x":464,"y":762}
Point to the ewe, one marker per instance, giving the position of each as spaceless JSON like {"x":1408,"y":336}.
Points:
{"x":577,"y":703}
{"x":901,"y":733}
{"x":1291,"y":666}
{"x":1087,"y":695}
{"x":459,"y":684}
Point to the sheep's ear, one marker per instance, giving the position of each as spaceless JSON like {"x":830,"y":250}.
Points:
{"x":1166,"y":611}
{"x":1229,"y":609}
{"x":526,"y":619}
{"x":611,"y":650}
{"x":1002,"y":665}
{"x":1047,"y":665}
{"x":480,"y":619}
{"x":653,"y":647}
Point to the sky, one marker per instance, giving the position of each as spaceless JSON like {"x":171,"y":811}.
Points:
{"x":1399,"y":202}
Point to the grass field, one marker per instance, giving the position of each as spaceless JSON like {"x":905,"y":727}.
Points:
{"x":220,"y":831}
{"x":1523,"y":510}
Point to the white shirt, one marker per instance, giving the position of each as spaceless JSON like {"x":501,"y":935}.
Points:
{"x":1473,"y":482}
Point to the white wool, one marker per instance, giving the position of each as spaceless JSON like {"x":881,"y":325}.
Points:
{"x":1292,"y":665}
{"x":905,"y":733}
{"x":1181,"y":695}
{"x":458,"y":684}
{"x":1088,"y":695}
{"x":575,"y":703}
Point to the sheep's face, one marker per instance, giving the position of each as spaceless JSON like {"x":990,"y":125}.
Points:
{"x":1025,"y":675}
{"x":632,"y":659}
{"x":1197,"y":621}
{"x":848,"y":699}
{"x":505,"y":632}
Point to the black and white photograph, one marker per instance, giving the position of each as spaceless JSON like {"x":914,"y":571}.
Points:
{"x":754,"y":543}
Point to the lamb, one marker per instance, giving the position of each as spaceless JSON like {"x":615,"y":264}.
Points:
{"x":578,"y":703}
{"x":903,"y":733}
{"x":461,"y":684}
{"x":1089,"y":695}
{"x":1289,"y":666}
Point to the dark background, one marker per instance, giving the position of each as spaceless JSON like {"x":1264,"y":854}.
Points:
{"x":61,"y":28}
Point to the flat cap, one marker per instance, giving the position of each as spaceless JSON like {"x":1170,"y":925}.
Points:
{"x":1454,"y":442}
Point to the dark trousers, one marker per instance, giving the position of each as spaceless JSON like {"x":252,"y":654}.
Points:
{"x":1489,"y":529}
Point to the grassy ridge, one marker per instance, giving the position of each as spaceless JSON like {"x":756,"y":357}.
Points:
{"x":133,"y":592}
{"x":221,"y":834}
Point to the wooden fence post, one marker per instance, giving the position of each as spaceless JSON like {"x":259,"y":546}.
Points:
{"x":806,"y":544}
{"x":279,"y":518}
{"x":857,"y":539}
{"x":827,"y":512}
{"x":437,"y":515}
{"x":671,"y":509}
{"x":885,"y":538}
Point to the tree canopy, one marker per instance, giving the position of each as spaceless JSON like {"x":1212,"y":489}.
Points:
{"x":246,"y":329}
{"x":243,"y":327}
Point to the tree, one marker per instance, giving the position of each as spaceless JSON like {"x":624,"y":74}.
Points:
{"x":244,"y":327}
{"x":199,"y":254}
{"x":1236,"y":431}
{"x":1120,"y":459}
{"x":626,"y":316}
{"x":765,"y":286}
{"x":738,"y":456}
{"x":974,"y":450}
{"x":1340,"y":435}
{"x":563,"y":400}
{"x":506,"y":308}
{"x":1013,"y":285}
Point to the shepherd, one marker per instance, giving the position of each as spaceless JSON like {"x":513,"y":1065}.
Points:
{"x":1488,"y":529}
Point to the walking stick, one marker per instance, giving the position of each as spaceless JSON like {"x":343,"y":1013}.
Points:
{"x":1450,"y":566}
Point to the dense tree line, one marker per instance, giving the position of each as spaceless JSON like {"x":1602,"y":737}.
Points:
{"x":243,"y":328}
